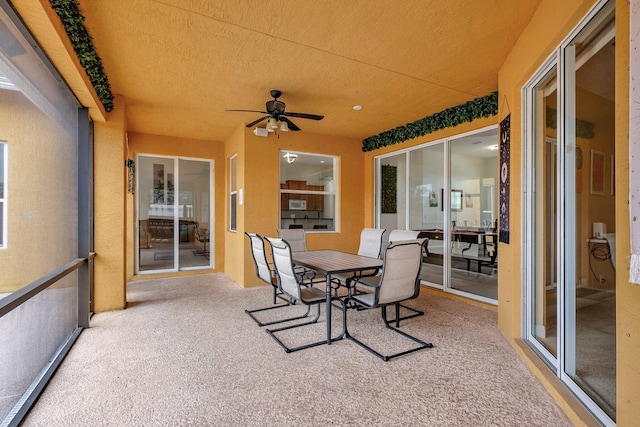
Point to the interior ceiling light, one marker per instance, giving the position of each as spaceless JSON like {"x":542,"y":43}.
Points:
{"x":357,"y":107}
{"x":290,"y":157}
{"x":284,"y":126}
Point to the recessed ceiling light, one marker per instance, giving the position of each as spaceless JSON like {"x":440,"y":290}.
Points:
{"x":357,"y":107}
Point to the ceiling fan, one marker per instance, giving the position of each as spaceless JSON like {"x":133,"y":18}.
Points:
{"x":275,"y":112}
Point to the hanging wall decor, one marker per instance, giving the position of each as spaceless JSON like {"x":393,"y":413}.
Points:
{"x":505,"y":139}
{"x":131,"y":176}
{"x":389,"y":189}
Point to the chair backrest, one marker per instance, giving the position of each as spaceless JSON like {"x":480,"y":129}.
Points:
{"x":371,"y":242}
{"x":402,"y":263}
{"x":297,"y":238}
{"x":492,"y":248}
{"x":287,"y":279}
{"x":398,"y":235}
{"x":263,"y":271}
{"x":196,"y":232}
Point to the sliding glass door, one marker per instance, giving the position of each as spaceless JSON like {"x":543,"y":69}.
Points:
{"x":473,"y":210}
{"x":174,"y":214}
{"x":447,"y":190}
{"x":426,"y":178}
{"x":569,"y":249}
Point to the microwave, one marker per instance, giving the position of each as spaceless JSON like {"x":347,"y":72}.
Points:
{"x":297,"y":205}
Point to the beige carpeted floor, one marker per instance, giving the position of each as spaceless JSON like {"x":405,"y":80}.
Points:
{"x":184,"y":353}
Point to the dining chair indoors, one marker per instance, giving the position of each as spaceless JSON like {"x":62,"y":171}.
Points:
{"x":202,"y":238}
{"x":399,"y":281}
{"x":265,"y":272}
{"x":398,"y":235}
{"x":291,"y":285}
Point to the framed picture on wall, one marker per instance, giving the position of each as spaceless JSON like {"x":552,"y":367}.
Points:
{"x":597,"y":172}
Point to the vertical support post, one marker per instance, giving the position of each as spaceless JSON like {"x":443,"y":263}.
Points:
{"x":85,"y":217}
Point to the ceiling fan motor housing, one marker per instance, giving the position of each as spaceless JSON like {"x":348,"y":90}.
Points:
{"x":275,"y":107}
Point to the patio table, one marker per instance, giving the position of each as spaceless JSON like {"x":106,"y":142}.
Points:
{"x":329,"y":262}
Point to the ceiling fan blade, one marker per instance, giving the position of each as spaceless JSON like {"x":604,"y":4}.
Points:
{"x":304,"y":115}
{"x":252,"y":124}
{"x":292,"y":126}
{"x":250,"y":111}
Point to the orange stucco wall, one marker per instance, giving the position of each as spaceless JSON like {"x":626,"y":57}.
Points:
{"x":110,"y":210}
{"x":259,"y":161}
{"x":235,"y":263}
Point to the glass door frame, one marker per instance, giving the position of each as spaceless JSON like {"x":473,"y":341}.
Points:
{"x":176,"y":218}
{"x":446,"y":142}
{"x":564,"y":58}
{"x":529,"y":214}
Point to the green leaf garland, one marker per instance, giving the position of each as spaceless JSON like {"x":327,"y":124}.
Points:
{"x":486,"y":106}
{"x":72,"y":21}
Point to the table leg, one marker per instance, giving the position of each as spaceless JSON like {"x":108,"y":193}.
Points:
{"x":328,"y":309}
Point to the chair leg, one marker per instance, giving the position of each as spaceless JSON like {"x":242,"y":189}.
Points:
{"x":272,"y":332}
{"x":273,"y":322}
{"x":422,"y":344}
{"x":204,"y":251}
{"x":288,"y":303}
{"x":415,"y":313}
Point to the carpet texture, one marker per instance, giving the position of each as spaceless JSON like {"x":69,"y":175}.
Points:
{"x":184,"y":353}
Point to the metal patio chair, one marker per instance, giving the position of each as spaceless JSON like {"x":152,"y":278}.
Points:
{"x":297,"y":239}
{"x":266,"y":273}
{"x":371,"y":246}
{"x":291,"y":285}
{"x":399,"y":281}
{"x":399,"y":236}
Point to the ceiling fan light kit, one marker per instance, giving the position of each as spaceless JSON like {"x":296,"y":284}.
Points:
{"x":261,"y":132}
{"x":275,"y":112}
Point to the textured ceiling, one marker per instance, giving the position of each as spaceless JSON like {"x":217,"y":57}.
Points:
{"x":180,"y":63}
